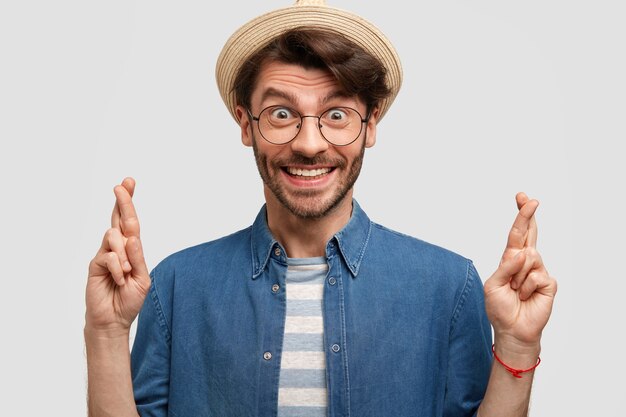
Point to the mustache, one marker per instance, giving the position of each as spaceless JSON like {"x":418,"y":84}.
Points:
{"x":303,"y":160}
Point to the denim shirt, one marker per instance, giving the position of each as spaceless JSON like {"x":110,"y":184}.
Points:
{"x":405,"y":328}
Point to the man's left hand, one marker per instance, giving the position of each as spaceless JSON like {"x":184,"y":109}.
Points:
{"x":520,"y":293}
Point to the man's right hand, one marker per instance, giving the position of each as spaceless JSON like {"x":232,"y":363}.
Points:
{"x":118,"y":277}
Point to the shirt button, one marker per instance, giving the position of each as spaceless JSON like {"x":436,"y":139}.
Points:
{"x":332,"y":281}
{"x":275,"y":288}
{"x":335,"y":348}
{"x":267,"y":356}
{"x":277,"y":252}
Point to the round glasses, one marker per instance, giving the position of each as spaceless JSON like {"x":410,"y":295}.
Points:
{"x":339,"y":126}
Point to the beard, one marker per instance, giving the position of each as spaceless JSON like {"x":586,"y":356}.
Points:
{"x":308,"y":204}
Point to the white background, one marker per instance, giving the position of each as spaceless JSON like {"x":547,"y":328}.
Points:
{"x":498,"y":97}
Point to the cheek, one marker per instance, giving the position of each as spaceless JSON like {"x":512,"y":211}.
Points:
{"x":356,"y":152}
{"x":262,"y":155}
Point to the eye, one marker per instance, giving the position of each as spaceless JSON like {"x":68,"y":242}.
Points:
{"x":336,"y":115}
{"x":282,"y":113}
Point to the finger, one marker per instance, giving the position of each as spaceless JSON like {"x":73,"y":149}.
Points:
{"x":508,"y":268}
{"x":521,"y":198}
{"x":520,"y":230}
{"x":129,"y":184}
{"x":533,"y":262}
{"x":531,"y":239}
{"x":107,"y":262}
{"x":550,"y":287}
{"x":115,"y":215}
{"x":536,"y":281}
{"x":114,"y":241}
{"x":128,"y":221}
{"x":134,"y":250}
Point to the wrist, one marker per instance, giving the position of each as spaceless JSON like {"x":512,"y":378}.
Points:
{"x":105,"y":347}
{"x":515,"y":353}
{"x":111,"y":333}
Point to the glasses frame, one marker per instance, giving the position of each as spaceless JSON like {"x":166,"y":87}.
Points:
{"x":319,"y":125}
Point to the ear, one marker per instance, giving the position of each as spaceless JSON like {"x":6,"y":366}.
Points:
{"x":370,"y":138}
{"x":244,"y":125}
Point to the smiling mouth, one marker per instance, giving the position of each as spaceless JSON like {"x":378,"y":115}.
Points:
{"x":307,"y":173}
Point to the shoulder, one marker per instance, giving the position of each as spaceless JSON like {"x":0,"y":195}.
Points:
{"x":436,"y":276}
{"x":413,"y":248}
{"x":192,"y":274}
{"x":213,"y":254}
{"x":415,"y":262}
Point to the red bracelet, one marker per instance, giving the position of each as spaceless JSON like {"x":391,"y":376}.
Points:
{"x":515,"y":372}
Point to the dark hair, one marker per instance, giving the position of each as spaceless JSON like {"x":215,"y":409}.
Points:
{"x":358,"y":72}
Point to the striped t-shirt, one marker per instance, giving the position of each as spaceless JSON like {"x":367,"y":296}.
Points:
{"x":302,"y":388}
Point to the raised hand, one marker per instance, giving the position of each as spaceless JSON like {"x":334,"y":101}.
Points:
{"x":520,"y":293}
{"x":118,"y":277}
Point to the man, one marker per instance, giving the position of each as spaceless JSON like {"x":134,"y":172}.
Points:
{"x":313,"y":310}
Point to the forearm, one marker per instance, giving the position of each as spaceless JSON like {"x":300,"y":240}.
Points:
{"x":110,"y":389}
{"x":506,"y":395}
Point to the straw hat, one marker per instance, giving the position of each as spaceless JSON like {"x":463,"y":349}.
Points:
{"x":258,"y":32}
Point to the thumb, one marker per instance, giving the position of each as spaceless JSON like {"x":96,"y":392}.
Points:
{"x":137,"y":261}
{"x":508,"y":268}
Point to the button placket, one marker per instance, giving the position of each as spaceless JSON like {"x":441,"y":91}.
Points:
{"x":335,"y":333}
{"x":271,"y":309}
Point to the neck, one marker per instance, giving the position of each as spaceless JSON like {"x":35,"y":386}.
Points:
{"x":305,"y":238}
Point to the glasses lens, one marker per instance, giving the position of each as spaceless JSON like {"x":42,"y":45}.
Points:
{"x":279,"y":124}
{"x":341,"y":125}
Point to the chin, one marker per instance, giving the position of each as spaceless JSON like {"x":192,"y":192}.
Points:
{"x":310,"y":207}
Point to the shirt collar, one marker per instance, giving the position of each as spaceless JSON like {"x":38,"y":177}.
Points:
{"x":351,"y":240}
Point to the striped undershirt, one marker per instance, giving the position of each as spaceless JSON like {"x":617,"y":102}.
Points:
{"x":302,"y":387}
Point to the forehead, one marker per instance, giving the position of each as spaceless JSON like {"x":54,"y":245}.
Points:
{"x":296,"y":84}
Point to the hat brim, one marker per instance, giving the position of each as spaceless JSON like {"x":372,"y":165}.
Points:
{"x":258,"y":32}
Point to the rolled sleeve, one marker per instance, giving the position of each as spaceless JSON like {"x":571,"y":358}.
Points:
{"x":150,"y":356}
{"x":469,"y":361}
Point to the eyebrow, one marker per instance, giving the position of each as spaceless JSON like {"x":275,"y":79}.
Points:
{"x":334,"y":95}
{"x":273,"y":92}
{"x":293,"y":98}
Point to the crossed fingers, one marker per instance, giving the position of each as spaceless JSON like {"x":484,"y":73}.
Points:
{"x":531,"y":274}
{"x":524,"y":230}
{"x":124,"y":216}
{"x":121,"y":252}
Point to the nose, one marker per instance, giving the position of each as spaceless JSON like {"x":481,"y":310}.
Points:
{"x":309,"y":141}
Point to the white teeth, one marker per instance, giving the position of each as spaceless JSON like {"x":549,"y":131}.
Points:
{"x":308,"y":172}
